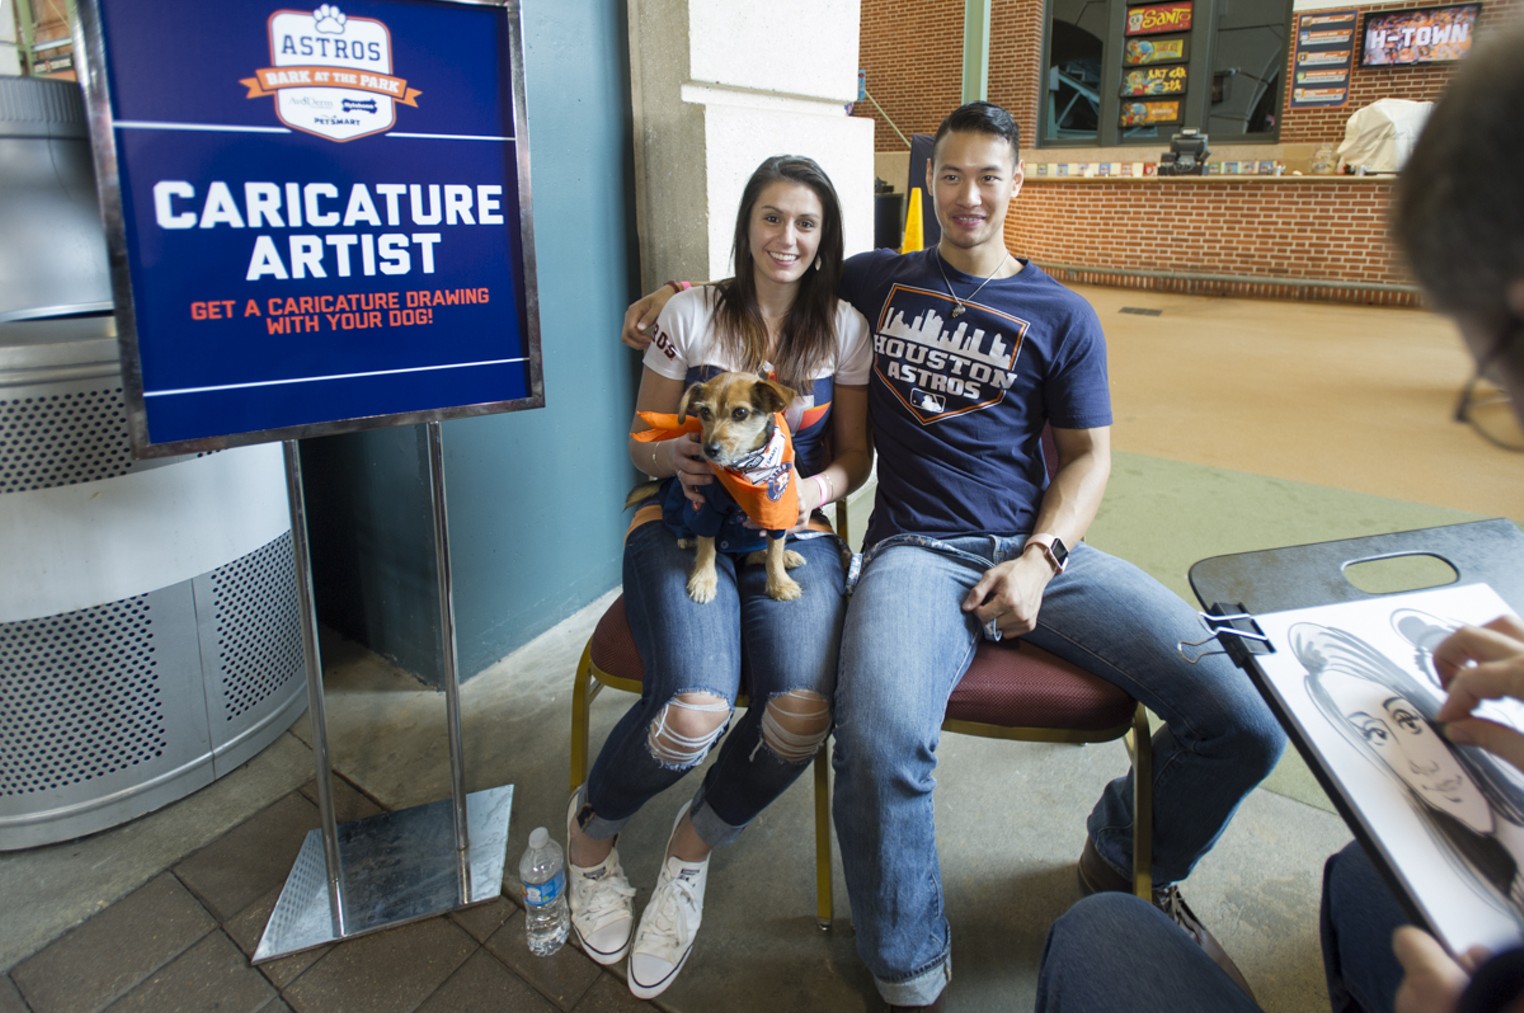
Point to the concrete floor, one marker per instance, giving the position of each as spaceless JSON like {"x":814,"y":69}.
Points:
{"x":163,"y":912}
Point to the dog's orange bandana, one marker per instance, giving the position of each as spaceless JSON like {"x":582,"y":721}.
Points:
{"x":763,"y":485}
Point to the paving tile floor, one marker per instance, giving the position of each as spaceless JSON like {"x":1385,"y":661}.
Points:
{"x":183,"y":941}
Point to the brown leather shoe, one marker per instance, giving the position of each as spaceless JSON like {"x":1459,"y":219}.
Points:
{"x":1095,"y":876}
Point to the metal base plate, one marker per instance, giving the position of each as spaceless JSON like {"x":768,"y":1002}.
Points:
{"x":394,"y":868}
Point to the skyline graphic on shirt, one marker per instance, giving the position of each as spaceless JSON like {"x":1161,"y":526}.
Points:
{"x":939,"y":365}
{"x":965,"y":339}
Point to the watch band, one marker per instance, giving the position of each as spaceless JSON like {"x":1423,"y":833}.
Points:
{"x":1053,"y":550}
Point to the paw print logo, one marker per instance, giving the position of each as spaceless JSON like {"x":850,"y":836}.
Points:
{"x":329,"y":19}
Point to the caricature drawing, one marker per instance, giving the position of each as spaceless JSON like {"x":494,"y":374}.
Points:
{"x":1465,"y":799}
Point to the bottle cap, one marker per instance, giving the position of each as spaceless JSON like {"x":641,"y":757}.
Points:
{"x":539,"y":837}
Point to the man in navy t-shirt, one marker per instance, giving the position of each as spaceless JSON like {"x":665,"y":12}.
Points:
{"x":976,"y":352}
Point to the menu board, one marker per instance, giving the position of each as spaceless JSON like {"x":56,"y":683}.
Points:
{"x":1143,"y":52}
{"x":1154,"y":81}
{"x":1159,"y":19}
{"x":1154,"y":64}
{"x":1151,"y":112}
{"x":1324,"y":53}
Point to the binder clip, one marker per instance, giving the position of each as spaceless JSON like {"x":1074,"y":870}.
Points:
{"x":1237,"y":632}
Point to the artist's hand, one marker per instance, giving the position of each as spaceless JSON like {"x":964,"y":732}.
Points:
{"x":640,"y":318}
{"x":1010,"y":593}
{"x":1477,"y":663}
{"x":692,"y":468}
{"x":1432,"y":981}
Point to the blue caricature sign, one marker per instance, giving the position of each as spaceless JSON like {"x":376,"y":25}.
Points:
{"x":319,"y":216}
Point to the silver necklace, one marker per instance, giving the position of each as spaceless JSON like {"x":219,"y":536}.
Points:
{"x":962,"y":303}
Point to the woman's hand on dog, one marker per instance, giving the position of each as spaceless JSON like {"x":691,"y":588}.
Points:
{"x":692,"y":469}
{"x":808,"y":493}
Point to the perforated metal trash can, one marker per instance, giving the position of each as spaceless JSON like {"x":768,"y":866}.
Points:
{"x":149,"y":635}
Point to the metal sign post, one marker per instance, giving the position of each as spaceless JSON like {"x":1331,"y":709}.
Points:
{"x":400,"y":866}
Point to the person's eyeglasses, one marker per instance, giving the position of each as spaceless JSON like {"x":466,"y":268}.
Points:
{"x":1485,"y":406}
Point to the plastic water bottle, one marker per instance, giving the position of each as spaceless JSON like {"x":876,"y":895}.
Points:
{"x":542,"y":871}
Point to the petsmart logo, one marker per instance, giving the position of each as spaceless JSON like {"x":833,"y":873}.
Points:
{"x":325,"y":56}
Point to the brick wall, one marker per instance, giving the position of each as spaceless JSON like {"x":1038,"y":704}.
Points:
{"x":913,"y":53}
{"x":1241,"y":237}
{"x":1246,"y":237}
{"x":1016,"y":41}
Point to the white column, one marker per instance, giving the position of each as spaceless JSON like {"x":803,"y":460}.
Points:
{"x":10,"y":56}
{"x":719,"y":85}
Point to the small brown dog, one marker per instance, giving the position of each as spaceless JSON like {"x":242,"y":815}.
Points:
{"x":750,"y":450}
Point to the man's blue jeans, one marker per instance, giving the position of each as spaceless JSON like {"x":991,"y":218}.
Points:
{"x":1115,"y":951}
{"x":1359,"y":914}
{"x":905,"y":645}
{"x":742,"y":637}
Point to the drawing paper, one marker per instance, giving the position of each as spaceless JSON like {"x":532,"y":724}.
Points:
{"x":1356,"y":683}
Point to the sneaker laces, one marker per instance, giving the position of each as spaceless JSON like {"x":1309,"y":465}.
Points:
{"x":601,"y":894}
{"x":674,"y":921}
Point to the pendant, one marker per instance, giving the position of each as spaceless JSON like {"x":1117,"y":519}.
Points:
{"x":958,"y":312}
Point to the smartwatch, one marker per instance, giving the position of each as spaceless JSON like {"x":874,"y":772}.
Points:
{"x":1053,"y":549}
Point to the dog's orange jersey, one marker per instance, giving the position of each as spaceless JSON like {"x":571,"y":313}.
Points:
{"x":769,"y":495}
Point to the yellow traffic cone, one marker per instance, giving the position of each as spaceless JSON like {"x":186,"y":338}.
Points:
{"x":915,"y":234}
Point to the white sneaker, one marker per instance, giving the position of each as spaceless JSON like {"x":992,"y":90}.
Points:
{"x":668,"y":926}
{"x":602,"y":901}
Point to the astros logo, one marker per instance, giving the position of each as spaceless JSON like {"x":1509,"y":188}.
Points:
{"x":940,"y":366}
{"x":331,"y":75}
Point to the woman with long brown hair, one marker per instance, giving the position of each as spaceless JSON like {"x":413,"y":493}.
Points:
{"x":778,"y":316}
